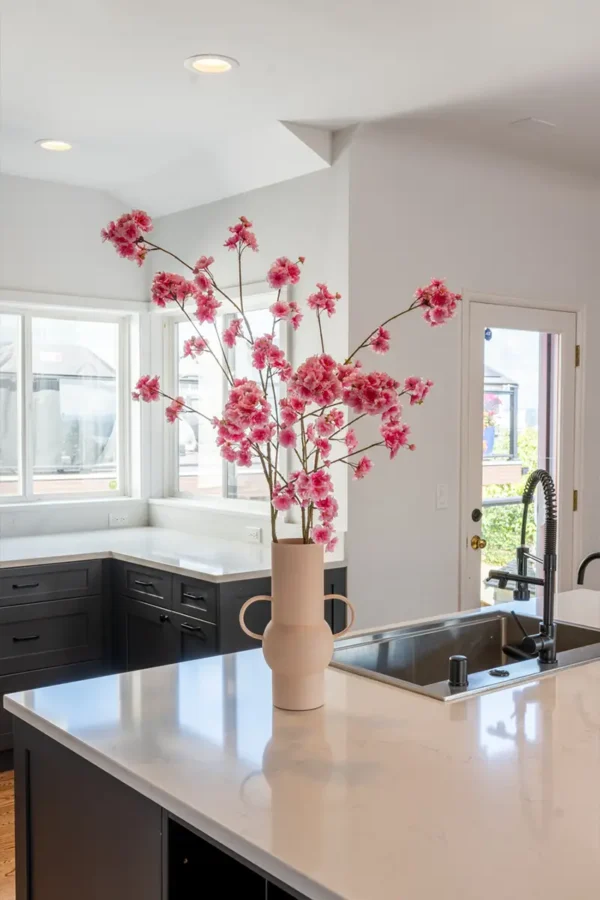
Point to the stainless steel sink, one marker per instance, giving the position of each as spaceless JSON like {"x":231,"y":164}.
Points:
{"x":416,"y":657}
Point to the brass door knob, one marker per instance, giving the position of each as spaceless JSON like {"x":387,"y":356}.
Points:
{"x":478,"y":543}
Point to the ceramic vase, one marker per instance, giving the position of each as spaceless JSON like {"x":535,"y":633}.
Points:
{"x":297,"y":642}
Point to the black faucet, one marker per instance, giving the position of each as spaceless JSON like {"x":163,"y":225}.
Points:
{"x":585,"y":563}
{"x":543,"y":643}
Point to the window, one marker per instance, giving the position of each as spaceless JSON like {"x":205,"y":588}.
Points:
{"x":61,"y":414}
{"x":201,"y":470}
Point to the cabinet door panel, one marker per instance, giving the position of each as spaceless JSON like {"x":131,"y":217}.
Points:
{"x":38,"y":635}
{"x":150,"y":639}
{"x":195,"y":639}
{"x":81,"y":834}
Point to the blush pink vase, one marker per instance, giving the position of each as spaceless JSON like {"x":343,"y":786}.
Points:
{"x":297,"y":643}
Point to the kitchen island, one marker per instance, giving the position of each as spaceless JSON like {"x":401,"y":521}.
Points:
{"x":155,"y":785}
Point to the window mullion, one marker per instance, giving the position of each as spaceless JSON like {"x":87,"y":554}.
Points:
{"x":27,"y":448}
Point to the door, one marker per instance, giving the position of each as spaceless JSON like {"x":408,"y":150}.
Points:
{"x":519,"y":416}
{"x":150,"y":639}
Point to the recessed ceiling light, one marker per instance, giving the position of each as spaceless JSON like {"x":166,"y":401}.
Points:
{"x":210,"y":63}
{"x":52,"y":144}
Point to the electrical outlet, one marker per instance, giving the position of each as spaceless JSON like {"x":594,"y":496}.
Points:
{"x":441,"y":496}
{"x":253,"y":534}
{"x":117,"y":520}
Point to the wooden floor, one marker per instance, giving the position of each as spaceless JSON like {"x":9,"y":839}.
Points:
{"x":7,"y":837}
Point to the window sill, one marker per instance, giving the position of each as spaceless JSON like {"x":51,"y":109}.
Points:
{"x":18,"y":503}
{"x":216,"y":504}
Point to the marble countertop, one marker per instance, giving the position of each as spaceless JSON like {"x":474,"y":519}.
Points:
{"x":381,"y":793}
{"x":200,"y":556}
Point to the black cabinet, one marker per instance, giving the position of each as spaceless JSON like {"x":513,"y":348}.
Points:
{"x":194,"y":861}
{"x":152,"y":636}
{"x":80,"y":833}
{"x":148,"y":638}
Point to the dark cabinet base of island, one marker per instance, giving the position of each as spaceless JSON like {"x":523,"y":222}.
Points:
{"x":81,"y":833}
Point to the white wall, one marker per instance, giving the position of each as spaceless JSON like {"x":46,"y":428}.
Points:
{"x":306,"y":216}
{"x":51,"y":253}
{"x":421,"y":207}
{"x":50,"y":242}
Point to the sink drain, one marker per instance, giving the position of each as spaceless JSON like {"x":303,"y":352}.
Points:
{"x":499,"y":673}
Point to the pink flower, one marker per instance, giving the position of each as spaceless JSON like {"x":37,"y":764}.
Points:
{"x":126,"y":235}
{"x":260,"y":434}
{"x":380,"y":342}
{"x":266,"y":353}
{"x":246,"y":405}
{"x":417,"y":388}
{"x":362,"y":468}
{"x":373,"y":393}
{"x":241,"y":236}
{"x":277,"y":277}
{"x":283,"y":497}
{"x":323,"y":299}
{"x":329,"y":422}
{"x":323,"y":446}
{"x":350,"y":440}
{"x":320,"y":484}
{"x":174,"y":408}
{"x":295,"y":316}
{"x":203,"y":263}
{"x":194,"y":346}
{"x":280,"y":309}
{"x":147,"y":388}
{"x":206,"y":306}
{"x":316,"y":380}
{"x":168,"y":287}
{"x":438,"y":302}
{"x":232,"y":332}
{"x":203,"y":282}
{"x":327,"y":508}
{"x":287,"y":437}
{"x":395,"y":436}
{"x":290,"y":408}
{"x":283,"y":271}
{"x":322,"y":534}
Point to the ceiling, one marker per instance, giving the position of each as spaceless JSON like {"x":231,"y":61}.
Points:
{"x":108,"y":76}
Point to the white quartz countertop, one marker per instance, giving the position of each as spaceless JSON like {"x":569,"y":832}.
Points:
{"x":380,"y":795}
{"x":200,"y":556}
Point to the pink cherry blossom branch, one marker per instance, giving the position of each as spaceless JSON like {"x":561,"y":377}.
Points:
{"x":414,"y":305}
{"x":181,"y":305}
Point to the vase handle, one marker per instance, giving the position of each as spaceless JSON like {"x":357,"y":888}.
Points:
{"x":338,"y":634}
{"x":243,"y":626}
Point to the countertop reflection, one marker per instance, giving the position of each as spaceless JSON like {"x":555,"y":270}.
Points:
{"x":381,"y":793}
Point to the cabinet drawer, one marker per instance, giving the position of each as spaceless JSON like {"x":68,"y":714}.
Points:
{"x":195,"y":598}
{"x":195,"y":638}
{"x":28,"y":681}
{"x":37,"y":635}
{"x":150,"y":585}
{"x":60,"y":581}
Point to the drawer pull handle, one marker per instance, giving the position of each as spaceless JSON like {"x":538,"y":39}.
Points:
{"x":20,"y":587}
{"x":189,"y":596}
{"x":163,"y":618}
{"x":195,"y":628}
{"x":27,"y":637}
{"x":144,"y":583}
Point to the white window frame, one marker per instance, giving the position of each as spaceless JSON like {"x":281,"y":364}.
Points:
{"x":26,"y":313}
{"x":257,"y":296}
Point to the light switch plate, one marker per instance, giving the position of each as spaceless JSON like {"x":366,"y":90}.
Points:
{"x":253,"y":534}
{"x":441,"y":496}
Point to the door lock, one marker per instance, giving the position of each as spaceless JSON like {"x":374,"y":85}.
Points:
{"x":478,"y":543}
